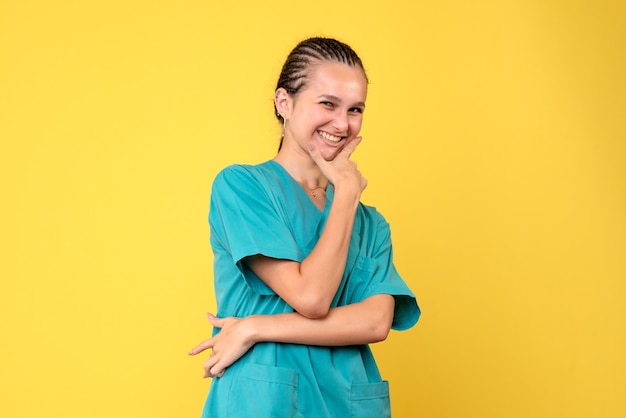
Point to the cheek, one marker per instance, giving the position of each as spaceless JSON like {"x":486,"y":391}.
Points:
{"x":318,"y":120}
{"x":355,"y":125}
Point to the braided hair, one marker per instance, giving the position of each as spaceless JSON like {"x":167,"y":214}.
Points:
{"x":312,"y":51}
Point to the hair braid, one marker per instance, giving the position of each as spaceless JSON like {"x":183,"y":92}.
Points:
{"x":310,"y":51}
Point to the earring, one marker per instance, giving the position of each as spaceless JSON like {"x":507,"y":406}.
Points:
{"x":284,"y":124}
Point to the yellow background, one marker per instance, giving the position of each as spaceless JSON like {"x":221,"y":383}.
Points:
{"x":494,"y":143}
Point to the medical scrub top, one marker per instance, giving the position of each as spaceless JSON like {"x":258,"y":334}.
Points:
{"x":261,"y":209}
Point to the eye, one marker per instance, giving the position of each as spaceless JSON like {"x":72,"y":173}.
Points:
{"x":356,"y":110}
{"x":327,"y":104}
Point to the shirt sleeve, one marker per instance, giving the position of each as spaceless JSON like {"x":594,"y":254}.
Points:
{"x":245,"y":222}
{"x":379,"y":276}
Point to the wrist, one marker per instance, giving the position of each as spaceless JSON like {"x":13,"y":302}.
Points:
{"x":347,"y":196}
{"x":254,"y":329}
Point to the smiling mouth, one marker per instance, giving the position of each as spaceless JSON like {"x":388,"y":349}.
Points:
{"x":330,"y":138}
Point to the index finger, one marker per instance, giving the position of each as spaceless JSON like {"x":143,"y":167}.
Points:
{"x":201,"y":347}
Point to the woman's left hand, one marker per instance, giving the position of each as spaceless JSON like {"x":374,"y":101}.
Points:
{"x":232,"y":342}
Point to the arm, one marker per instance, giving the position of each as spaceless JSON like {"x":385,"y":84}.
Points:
{"x":310,"y":286}
{"x":359,"y":323}
{"x":364,"y":322}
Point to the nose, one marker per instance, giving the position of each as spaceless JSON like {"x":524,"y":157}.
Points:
{"x":340,"y":123}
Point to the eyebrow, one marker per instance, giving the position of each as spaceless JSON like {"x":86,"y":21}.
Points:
{"x":338,"y":100}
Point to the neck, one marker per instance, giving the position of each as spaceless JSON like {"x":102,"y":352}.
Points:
{"x":302,"y":168}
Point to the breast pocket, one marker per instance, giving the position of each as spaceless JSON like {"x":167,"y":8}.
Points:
{"x":363,"y":270}
{"x":264,"y":391}
{"x":370,"y":400}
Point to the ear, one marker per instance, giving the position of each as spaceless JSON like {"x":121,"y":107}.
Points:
{"x":282,"y":101}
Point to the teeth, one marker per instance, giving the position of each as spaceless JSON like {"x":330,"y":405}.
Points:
{"x":329,"y":137}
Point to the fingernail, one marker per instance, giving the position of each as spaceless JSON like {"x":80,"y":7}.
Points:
{"x":210,"y":315}
{"x":311,"y":147}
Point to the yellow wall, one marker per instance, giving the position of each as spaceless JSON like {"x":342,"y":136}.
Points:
{"x":495,"y":144}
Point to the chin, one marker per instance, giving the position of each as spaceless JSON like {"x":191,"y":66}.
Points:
{"x":330,"y":155}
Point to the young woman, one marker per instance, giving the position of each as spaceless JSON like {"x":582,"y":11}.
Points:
{"x":304,"y":274}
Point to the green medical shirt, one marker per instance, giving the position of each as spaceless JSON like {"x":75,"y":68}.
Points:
{"x":261,"y":209}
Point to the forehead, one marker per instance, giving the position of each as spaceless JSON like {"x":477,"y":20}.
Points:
{"x":337,"y":79}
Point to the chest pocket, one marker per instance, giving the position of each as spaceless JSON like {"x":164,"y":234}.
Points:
{"x":366,"y":264}
{"x":363,"y":270}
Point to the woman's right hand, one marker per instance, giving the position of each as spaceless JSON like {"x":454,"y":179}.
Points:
{"x":341,"y":172}
{"x":233,"y":341}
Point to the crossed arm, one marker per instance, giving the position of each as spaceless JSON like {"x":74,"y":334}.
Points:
{"x":365,"y":322}
{"x":308,"y":287}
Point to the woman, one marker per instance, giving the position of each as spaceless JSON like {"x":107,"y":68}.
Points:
{"x":304,"y":276}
